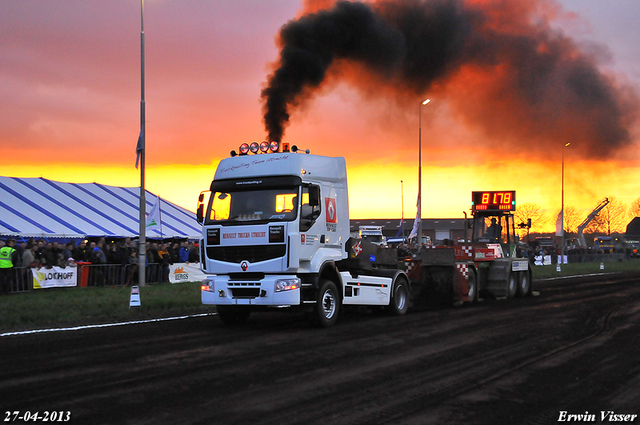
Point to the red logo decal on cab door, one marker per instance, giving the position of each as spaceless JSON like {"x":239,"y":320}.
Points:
{"x":332,"y":211}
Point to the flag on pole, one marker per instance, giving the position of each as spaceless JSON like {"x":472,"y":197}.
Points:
{"x":416,"y":223}
{"x":153,"y":218}
{"x":559,"y":224}
{"x":139,"y":148}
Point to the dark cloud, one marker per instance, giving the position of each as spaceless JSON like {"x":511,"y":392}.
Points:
{"x":501,"y":66}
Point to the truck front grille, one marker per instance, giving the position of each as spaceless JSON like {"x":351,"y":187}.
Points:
{"x":244,"y":289}
{"x":252,"y":253}
{"x":245,"y":292}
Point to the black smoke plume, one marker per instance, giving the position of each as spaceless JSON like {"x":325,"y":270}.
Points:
{"x":500,"y":65}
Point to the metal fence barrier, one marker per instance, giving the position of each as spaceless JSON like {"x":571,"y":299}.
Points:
{"x":21,"y":278}
{"x":118,"y":275}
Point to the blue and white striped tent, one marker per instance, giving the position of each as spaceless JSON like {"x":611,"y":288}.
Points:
{"x":41,"y":208}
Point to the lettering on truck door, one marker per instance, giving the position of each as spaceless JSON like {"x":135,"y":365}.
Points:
{"x":311,"y":222}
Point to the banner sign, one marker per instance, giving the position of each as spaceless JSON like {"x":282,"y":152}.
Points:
{"x":54,"y":277}
{"x":185,"y":272}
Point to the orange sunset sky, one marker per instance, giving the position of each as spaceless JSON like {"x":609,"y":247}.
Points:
{"x":70,"y":93}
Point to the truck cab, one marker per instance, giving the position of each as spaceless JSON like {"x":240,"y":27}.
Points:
{"x":372,"y":234}
{"x":495,"y":229}
{"x":276,"y":234}
{"x":604,"y":244}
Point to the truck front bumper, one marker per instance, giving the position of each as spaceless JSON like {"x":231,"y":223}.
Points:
{"x":277,"y":290}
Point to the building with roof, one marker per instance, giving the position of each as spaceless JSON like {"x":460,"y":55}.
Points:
{"x":438,"y":229}
{"x":633,"y":229}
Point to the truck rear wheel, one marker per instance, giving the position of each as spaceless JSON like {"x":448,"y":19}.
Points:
{"x":524,"y":284}
{"x":232,"y":315}
{"x":512,"y":285}
{"x":473,"y":287}
{"x":399,"y":298}
{"x":327,"y":305}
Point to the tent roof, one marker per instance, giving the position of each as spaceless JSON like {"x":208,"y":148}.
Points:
{"x":37,"y":207}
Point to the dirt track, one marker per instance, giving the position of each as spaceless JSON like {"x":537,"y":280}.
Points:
{"x":573,"y":348}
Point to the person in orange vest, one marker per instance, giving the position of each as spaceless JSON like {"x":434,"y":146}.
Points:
{"x":163,"y":252}
{"x":8,"y":260}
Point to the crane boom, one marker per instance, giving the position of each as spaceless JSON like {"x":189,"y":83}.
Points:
{"x":587,"y":220}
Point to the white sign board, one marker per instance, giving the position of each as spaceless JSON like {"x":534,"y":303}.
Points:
{"x":55,"y":277}
{"x":185,"y":272}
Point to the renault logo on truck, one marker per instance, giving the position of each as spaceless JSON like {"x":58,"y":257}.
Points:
{"x":330,"y":205}
{"x":244,"y":265}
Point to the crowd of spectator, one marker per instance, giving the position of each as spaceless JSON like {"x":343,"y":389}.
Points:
{"x":41,"y":253}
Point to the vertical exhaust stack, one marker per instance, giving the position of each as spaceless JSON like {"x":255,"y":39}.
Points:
{"x":501,"y":66}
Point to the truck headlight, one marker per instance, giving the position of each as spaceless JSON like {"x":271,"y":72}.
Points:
{"x":287,"y":284}
{"x":208,"y":285}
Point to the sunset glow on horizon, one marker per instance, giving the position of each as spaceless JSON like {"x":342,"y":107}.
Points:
{"x":70,"y":111}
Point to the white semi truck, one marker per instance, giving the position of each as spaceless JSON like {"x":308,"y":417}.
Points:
{"x":276,"y":235}
{"x":372,"y":234}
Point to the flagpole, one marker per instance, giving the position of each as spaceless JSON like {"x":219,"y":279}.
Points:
{"x":160,"y":216}
{"x":142,"y":241}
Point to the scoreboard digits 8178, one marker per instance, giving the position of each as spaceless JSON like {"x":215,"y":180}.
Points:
{"x":504,"y":200}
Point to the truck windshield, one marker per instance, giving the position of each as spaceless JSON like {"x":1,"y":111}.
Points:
{"x":265,"y":205}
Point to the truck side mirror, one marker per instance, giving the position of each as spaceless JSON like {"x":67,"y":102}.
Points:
{"x":200,"y":213}
{"x":314,"y":196}
{"x":200,"y":208}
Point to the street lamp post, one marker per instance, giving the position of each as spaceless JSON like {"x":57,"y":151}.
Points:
{"x":402,"y":213}
{"x":562,"y":250}
{"x":420,"y":170}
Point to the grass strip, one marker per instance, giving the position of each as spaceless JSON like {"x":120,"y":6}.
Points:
{"x":63,"y":307}
{"x":577,"y":269}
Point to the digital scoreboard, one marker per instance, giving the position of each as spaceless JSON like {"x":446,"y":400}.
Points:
{"x":504,"y":200}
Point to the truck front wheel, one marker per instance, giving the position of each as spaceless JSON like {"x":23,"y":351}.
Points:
{"x":327,"y":305}
{"x":400,"y":298}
